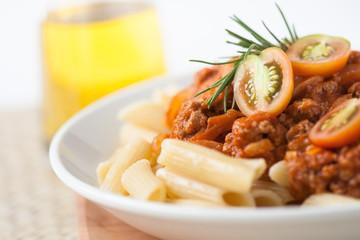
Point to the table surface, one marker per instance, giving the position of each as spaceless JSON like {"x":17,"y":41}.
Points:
{"x":96,"y":223}
{"x":34,"y":204}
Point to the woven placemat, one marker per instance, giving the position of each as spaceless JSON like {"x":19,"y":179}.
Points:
{"x":34,"y":204}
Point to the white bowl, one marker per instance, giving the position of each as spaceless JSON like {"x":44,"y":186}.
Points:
{"x":90,"y":137}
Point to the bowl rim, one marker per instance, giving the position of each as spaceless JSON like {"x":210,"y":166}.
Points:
{"x":168,"y":211}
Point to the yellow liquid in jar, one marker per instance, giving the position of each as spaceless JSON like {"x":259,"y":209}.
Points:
{"x":93,"y":50}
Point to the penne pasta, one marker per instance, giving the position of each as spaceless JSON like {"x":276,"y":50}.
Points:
{"x":140,"y":182}
{"x":129,"y":131}
{"x":270,"y":194}
{"x":210,"y":166}
{"x":330,"y":199}
{"x":135,"y":150}
{"x":146,"y":114}
{"x":180,"y":186}
{"x":266,"y":198}
{"x":164,"y":95}
{"x":104,"y":167}
{"x":156,"y":167}
{"x":279,"y":173}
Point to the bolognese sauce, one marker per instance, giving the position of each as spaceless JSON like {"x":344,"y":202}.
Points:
{"x":312,"y":168}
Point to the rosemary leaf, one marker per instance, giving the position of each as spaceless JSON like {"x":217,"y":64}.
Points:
{"x":233,"y":102}
{"x":287,"y":41}
{"x":211,"y":87}
{"x":225,"y":82}
{"x":248,"y":51}
{"x":240,"y":44}
{"x":283,"y":46}
{"x":227,"y":57}
{"x":252,"y":32}
{"x":287,"y":25}
{"x":210,"y":63}
{"x":225,"y":98}
{"x":239,"y":37}
{"x":296,"y":36}
{"x":253,"y":52}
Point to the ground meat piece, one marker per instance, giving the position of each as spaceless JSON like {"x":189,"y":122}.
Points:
{"x":354,"y":90}
{"x":349,"y":75}
{"x":194,"y":113}
{"x":354,"y":57}
{"x":210,"y":144}
{"x":325,"y":93}
{"x":340,"y":100}
{"x":300,"y":143}
{"x":297,"y":136}
{"x":203,"y":79}
{"x":302,"y":127}
{"x":315,"y":88}
{"x":189,"y":121}
{"x":348,"y":181}
{"x":253,"y":129}
{"x":217,"y":107}
{"x":195,"y":122}
{"x":305,"y":171}
{"x":306,"y":87}
{"x":286,"y":120}
{"x":305,"y":109}
{"x":318,"y":170}
{"x":218,"y":126}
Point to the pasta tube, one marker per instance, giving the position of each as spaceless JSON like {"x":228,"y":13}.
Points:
{"x":330,"y":199}
{"x":163,"y":96}
{"x":135,"y":150}
{"x":180,"y":186}
{"x":129,"y":131}
{"x":104,"y":167}
{"x":140,"y":182}
{"x":210,"y":166}
{"x":146,"y":114}
{"x":279,"y":173}
{"x":270,"y":194}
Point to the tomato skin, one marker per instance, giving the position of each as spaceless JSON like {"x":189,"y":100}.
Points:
{"x":324,"y":67}
{"x":280,"y":102}
{"x":346,"y":134}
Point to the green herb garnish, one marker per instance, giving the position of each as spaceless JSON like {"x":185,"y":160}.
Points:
{"x":250,"y":47}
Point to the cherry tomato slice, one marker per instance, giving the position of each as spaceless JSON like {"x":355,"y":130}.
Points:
{"x":264,"y":83}
{"x":338,"y":127}
{"x":318,"y":55}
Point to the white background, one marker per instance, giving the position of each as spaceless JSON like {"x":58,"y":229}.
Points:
{"x":192,"y":29}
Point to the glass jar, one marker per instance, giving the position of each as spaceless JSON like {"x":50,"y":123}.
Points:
{"x":90,"y":50}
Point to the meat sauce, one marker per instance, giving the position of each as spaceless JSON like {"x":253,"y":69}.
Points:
{"x":312,"y":169}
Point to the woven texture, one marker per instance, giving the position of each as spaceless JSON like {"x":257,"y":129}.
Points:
{"x":34,"y":204}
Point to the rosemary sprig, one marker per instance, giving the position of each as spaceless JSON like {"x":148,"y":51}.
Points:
{"x":283,"y":46}
{"x":250,"y":47}
{"x":287,"y":25}
{"x":220,"y":63}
